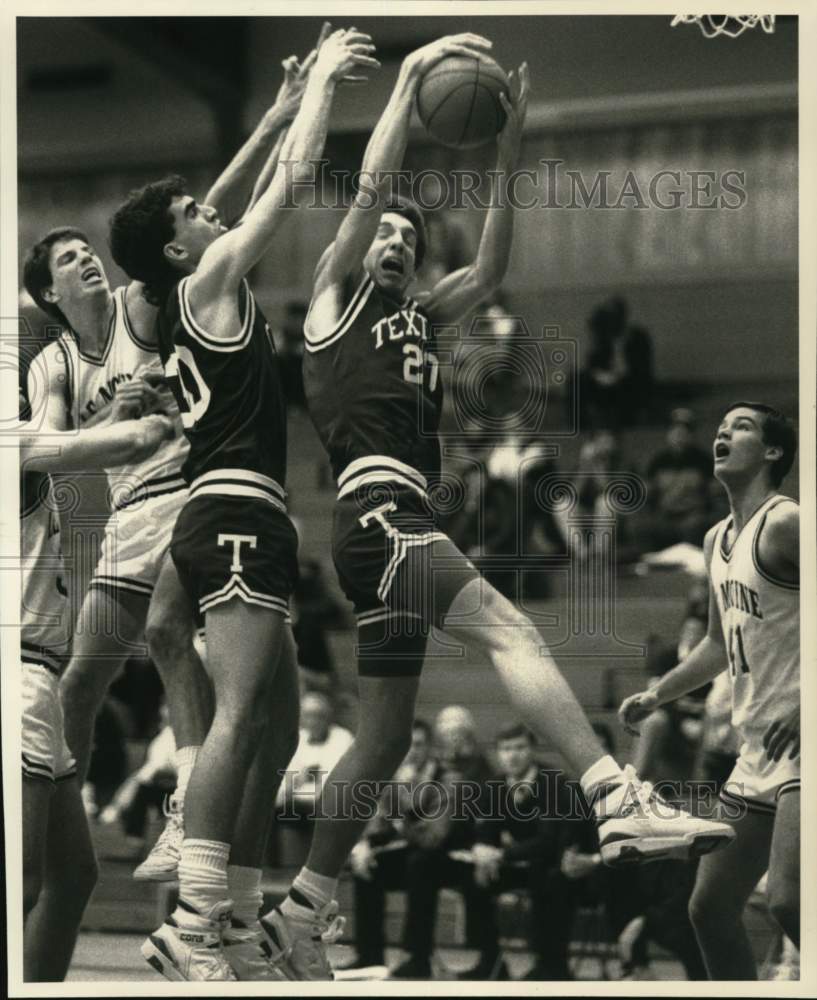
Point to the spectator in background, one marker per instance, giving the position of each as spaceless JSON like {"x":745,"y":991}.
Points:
{"x":679,"y":481}
{"x":314,"y":612}
{"x":147,"y":787}
{"x":438,"y":829}
{"x":616,"y":383}
{"x":522,"y":846}
{"x":321,"y":744}
{"x":378,"y":859}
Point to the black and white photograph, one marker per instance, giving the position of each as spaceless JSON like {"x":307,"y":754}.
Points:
{"x":400,"y":508}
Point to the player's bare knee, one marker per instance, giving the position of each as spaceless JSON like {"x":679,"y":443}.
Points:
{"x":709,"y":909}
{"x":167,"y":637}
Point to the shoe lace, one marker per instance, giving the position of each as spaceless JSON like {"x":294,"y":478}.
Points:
{"x":645,"y":791}
{"x":173,"y":826}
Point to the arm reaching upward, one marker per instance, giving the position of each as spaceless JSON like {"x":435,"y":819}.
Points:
{"x":384,"y":154}
{"x":226,"y":262}
{"x":460,"y":291}
{"x":233,"y":181}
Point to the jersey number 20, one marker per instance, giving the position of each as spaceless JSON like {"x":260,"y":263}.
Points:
{"x":189,"y":387}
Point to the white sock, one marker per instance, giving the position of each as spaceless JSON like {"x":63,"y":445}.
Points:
{"x":202,"y":877}
{"x":244,"y":885}
{"x":604,"y":772}
{"x":185,"y":758}
{"x":317,"y":890}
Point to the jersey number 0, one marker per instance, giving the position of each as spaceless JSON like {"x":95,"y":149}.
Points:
{"x":188,"y":385}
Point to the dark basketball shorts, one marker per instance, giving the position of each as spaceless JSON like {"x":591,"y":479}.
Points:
{"x":235,"y":547}
{"x":400,"y":572}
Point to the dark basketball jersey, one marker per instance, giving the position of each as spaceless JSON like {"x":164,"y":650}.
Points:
{"x":229,"y":392}
{"x":373,"y":387}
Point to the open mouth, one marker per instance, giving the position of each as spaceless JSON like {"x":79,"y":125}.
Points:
{"x":393,"y":265}
{"x":721,"y":450}
{"x":91,"y":274}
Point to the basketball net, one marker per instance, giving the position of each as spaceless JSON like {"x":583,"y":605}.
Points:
{"x":730,"y":25}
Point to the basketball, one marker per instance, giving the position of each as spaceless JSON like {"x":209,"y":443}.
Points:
{"x":458,"y":101}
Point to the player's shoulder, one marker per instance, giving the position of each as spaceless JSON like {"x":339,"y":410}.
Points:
{"x":711,"y":536}
{"x":782,"y":521}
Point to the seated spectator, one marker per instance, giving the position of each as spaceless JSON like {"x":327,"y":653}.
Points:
{"x":321,"y":744}
{"x":439,"y":825}
{"x":522,"y":846}
{"x":378,"y":860}
{"x":148,"y":787}
{"x":679,"y":479}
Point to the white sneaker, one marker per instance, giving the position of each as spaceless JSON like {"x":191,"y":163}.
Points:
{"x":250,"y":954}
{"x":644,"y":827}
{"x":302,"y":942}
{"x":187,"y":954}
{"x":162,"y":864}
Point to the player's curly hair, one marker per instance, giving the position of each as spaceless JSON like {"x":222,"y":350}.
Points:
{"x":778,"y":431}
{"x":410,"y":210}
{"x":139,"y":232}
{"x":37,"y":267}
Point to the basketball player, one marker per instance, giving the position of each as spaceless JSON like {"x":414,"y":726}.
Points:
{"x":374,"y":393}
{"x":94,"y":368}
{"x":59,"y":868}
{"x":233,"y":544}
{"x":754,"y":626}
{"x":102,"y":368}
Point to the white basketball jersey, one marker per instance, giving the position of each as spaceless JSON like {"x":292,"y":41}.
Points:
{"x":761,"y":626}
{"x":45,"y":613}
{"x":92,"y":384}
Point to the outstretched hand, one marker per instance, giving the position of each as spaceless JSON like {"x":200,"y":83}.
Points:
{"x":296,"y":77}
{"x":344,"y":50}
{"x":782,"y":734}
{"x":515,"y":106}
{"x":467,"y":44}
{"x":635,"y":709}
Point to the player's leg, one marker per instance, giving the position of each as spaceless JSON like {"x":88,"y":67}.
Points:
{"x":486,"y":623}
{"x":244,"y":942}
{"x":37,"y":793}
{"x":170,"y":630}
{"x":244,"y":643}
{"x":784,"y":864}
{"x":387,"y":690}
{"x":723,"y":886}
{"x":109,"y":625}
{"x":70,"y":874}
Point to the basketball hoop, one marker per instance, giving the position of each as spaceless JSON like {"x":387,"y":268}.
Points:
{"x":730,"y":25}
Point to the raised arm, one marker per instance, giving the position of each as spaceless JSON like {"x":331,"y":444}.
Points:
{"x":706,"y":661}
{"x":226,"y":262}
{"x":235,"y":181}
{"x":384,"y":155}
{"x":457,"y":293}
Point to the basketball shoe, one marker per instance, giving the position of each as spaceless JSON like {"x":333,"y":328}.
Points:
{"x":303,"y":940}
{"x":637,"y":825}
{"x":251,"y":955}
{"x":162,"y":864}
{"x":194,"y":951}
